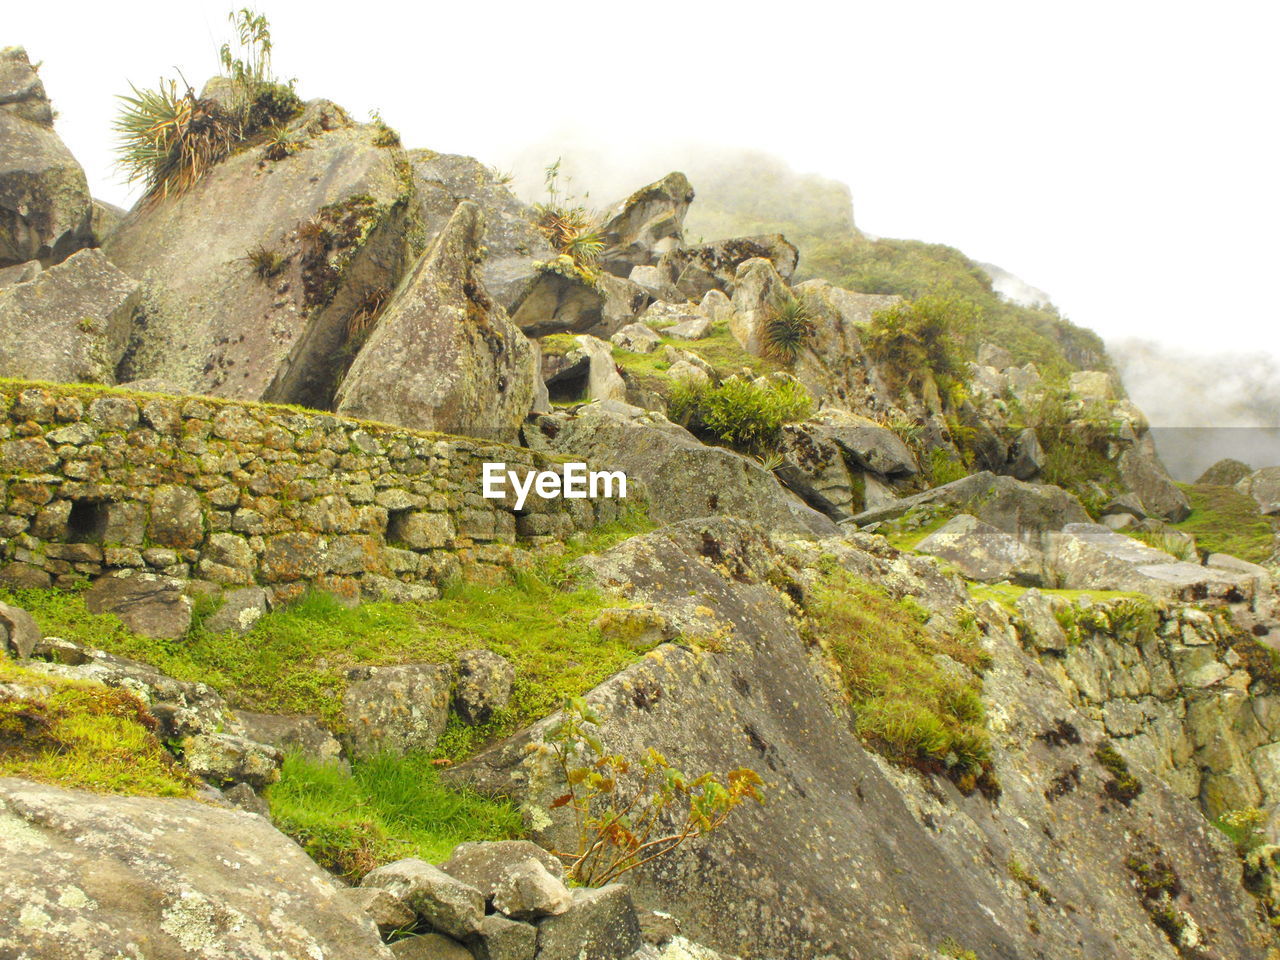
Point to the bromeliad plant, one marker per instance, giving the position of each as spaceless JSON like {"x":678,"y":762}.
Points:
{"x":572,"y":231}
{"x":628,"y":813}
{"x":788,"y":331}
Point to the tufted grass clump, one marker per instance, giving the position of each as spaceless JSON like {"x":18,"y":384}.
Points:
{"x":385,"y":808}
{"x":905,"y":702}
{"x":738,"y":413}
{"x":83,"y":735}
{"x":788,"y":330}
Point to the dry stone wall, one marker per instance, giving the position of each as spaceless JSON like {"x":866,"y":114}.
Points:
{"x":95,"y":481}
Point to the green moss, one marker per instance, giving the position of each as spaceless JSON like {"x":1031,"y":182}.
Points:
{"x":1224,"y":520}
{"x":82,"y":734}
{"x":1006,"y":594}
{"x":1123,"y":785}
{"x":385,"y":809}
{"x":1023,"y":876}
{"x":905,"y":702}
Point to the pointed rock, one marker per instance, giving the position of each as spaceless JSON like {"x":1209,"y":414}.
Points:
{"x":646,"y":225}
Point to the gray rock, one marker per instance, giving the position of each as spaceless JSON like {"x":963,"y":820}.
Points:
{"x":837,"y":368}
{"x":399,"y":709}
{"x":238,"y":611}
{"x":482,"y":864}
{"x":242,"y":797}
{"x":19,"y":632}
{"x":177,"y":517}
{"x":527,"y":891}
{"x":444,"y":356}
{"x":429,"y":946}
{"x":69,"y":323}
{"x":448,"y":904}
{"x":501,"y":939}
{"x":639,"y":230}
{"x":637,"y":338}
{"x":146,"y":604}
{"x":759,"y":292}
{"x":287,"y":732}
{"x":334,"y":213}
{"x":1264,"y":486}
{"x":867,"y":444}
{"x":101,"y":874}
{"x":815,"y":468}
{"x":1039,"y":623}
{"x":604,"y":382}
{"x":20,"y":272}
{"x":655,"y":282}
{"x":695,"y":329}
{"x":1144,"y":474}
{"x":982,"y":552}
{"x":600,"y":925}
{"x":566,"y":304}
{"x":387,"y":913}
{"x":1225,"y":473}
{"x":222,"y":758}
{"x":483,"y":685}
{"x":1026,"y":456}
{"x":44,"y":198}
{"x":700,"y":269}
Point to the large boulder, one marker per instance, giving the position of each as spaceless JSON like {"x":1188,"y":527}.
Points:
{"x":564,"y":303}
{"x":867,"y":444}
{"x":1264,"y":486}
{"x":1225,"y":473}
{"x":684,"y":478}
{"x":1144,"y":474}
{"x":19,"y":632}
{"x":650,"y":222}
{"x":70,"y":323}
{"x":396,"y":709}
{"x":837,"y":368}
{"x":759,"y":292}
{"x":446,"y":903}
{"x":513,"y":245}
{"x":45,"y":208}
{"x":147,"y":604}
{"x":93,"y":875}
{"x":981,"y":552}
{"x":268,"y":304}
{"x":695,"y":271}
{"x":445,"y":356}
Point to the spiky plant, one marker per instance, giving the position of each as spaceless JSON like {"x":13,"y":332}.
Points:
{"x":279,"y":145}
{"x":169,"y":139}
{"x":372,"y":300}
{"x":788,"y":330}
{"x":570,"y":228}
{"x":266,"y":263}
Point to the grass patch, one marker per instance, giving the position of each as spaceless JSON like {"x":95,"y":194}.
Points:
{"x":906,"y":703}
{"x":739,"y":413}
{"x":1224,"y":520}
{"x":385,"y":809}
{"x":1007,"y":594}
{"x":82,"y":734}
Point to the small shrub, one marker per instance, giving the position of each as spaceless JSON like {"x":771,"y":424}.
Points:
{"x":280,"y":145}
{"x":169,"y":139}
{"x":913,"y":339}
{"x":265,"y":263}
{"x":629,"y":812}
{"x":739,"y":413}
{"x":383,"y":136}
{"x":788,"y":331}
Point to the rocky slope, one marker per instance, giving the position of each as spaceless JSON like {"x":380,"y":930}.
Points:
{"x":910,"y":558}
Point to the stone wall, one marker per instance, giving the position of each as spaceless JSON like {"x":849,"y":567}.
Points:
{"x":94,"y":481}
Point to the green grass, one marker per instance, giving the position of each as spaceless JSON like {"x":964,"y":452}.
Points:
{"x":904,"y":702}
{"x":385,"y":809}
{"x":1224,"y":520}
{"x":740,"y":413}
{"x":1006,"y":594}
{"x":82,"y":734}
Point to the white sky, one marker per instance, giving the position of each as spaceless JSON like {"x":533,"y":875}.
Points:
{"x":1120,"y":155}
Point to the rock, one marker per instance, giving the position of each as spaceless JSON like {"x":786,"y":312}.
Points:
{"x":44,"y":198}
{"x":641,"y":628}
{"x":223,"y":758}
{"x":981,"y":552}
{"x":501,"y":939}
{"x":837,"y":368}
{"x":1260,"y":575}
{"x":483,"y":686}
{"x":695,"y":329}
{"x":1225,"y":473}
{"x":1264,"y":486}
{"x":332,"y":215}
{"x":449,"y":905}
{"x":1095,"y":386}
{"x":814,"y":467}
{"x":101,"y":874}
{"x":20,"y":272}
{"x":177,"y":517}
{"x":482,"y":864}
{"x":600,"y":925}
{"x":992,"y":355}
{"x":242,"y":797}
{"x":19,"y":632}
{"x":105,"y":219}
{"x":513,"y":245}
{"x":387,"y":913}
{"x":68,"y":324}
{"x":759,"y":292}
{"x":1038,"y":616}
{"x":604,"y":382}
{"x":429,"y":946}
{"x":288,"y":732}
{"x":238,"y":611}
{"x":684,"y":478}
{"x":527,"y":891}
{"x":655,"y":282}
{"x":1005,"y":503}
{"x":1144,"y":474}
{"x":866,"y":443}
{"x":148,"y":605}
{"x":698,"y":270}
{"x":1128,"y":504}
{"x":639,"y":230}
{"x":715,"y":306}
{"x":1026,"y":456}
{"x":444,"y":356}
{"x":637,"y":338}
{"x":566,"y":304}
{"x":399,"y":709}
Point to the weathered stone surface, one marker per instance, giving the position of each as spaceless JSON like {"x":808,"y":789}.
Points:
{"x":695,"y":329}
{"x":758,"y":294}
{"x":224,"y":758}
{"x":483,"y":685}
{"x":1026,"y":456}
{"x":399,"y":709}
{"x":239,"y":611}
{"x":150,"y":605}
{"x":69,"y":323}
{"x":19,"y":632}
{"x":647,"y":224}
{"x":242,"y":797}
{"x":481,"y":864}
{"x":637,"y":338}
{"x":97,"y":875}
{"x":387,"y":913}
{"x":684,"y":478}
{"x":1039,"y":622}
{"x":444,"y":355}
{"x":1144,"y":474}
{"x":44,"y":197}
{"x":501,"y":939}
{"x":981,"y":552}
{"x":334,"y":213}
{"x":429,"y":946}
{"x":837,"y":368}
{"x":697,"y":270}
{"x":446,"y":903}
{"x":604,"y":382}
{"x":288,"y":732}
{"x":601,"y":924}
{"x":1225,"y":473}
{"x":814,"y":467}
{"x":526,"y":890}
{"x":177,"y":517}
{"x":556,"y":303}
{"x":654,"y":281}
{"x":1264,"y":486}
{"x":867,"y":444}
